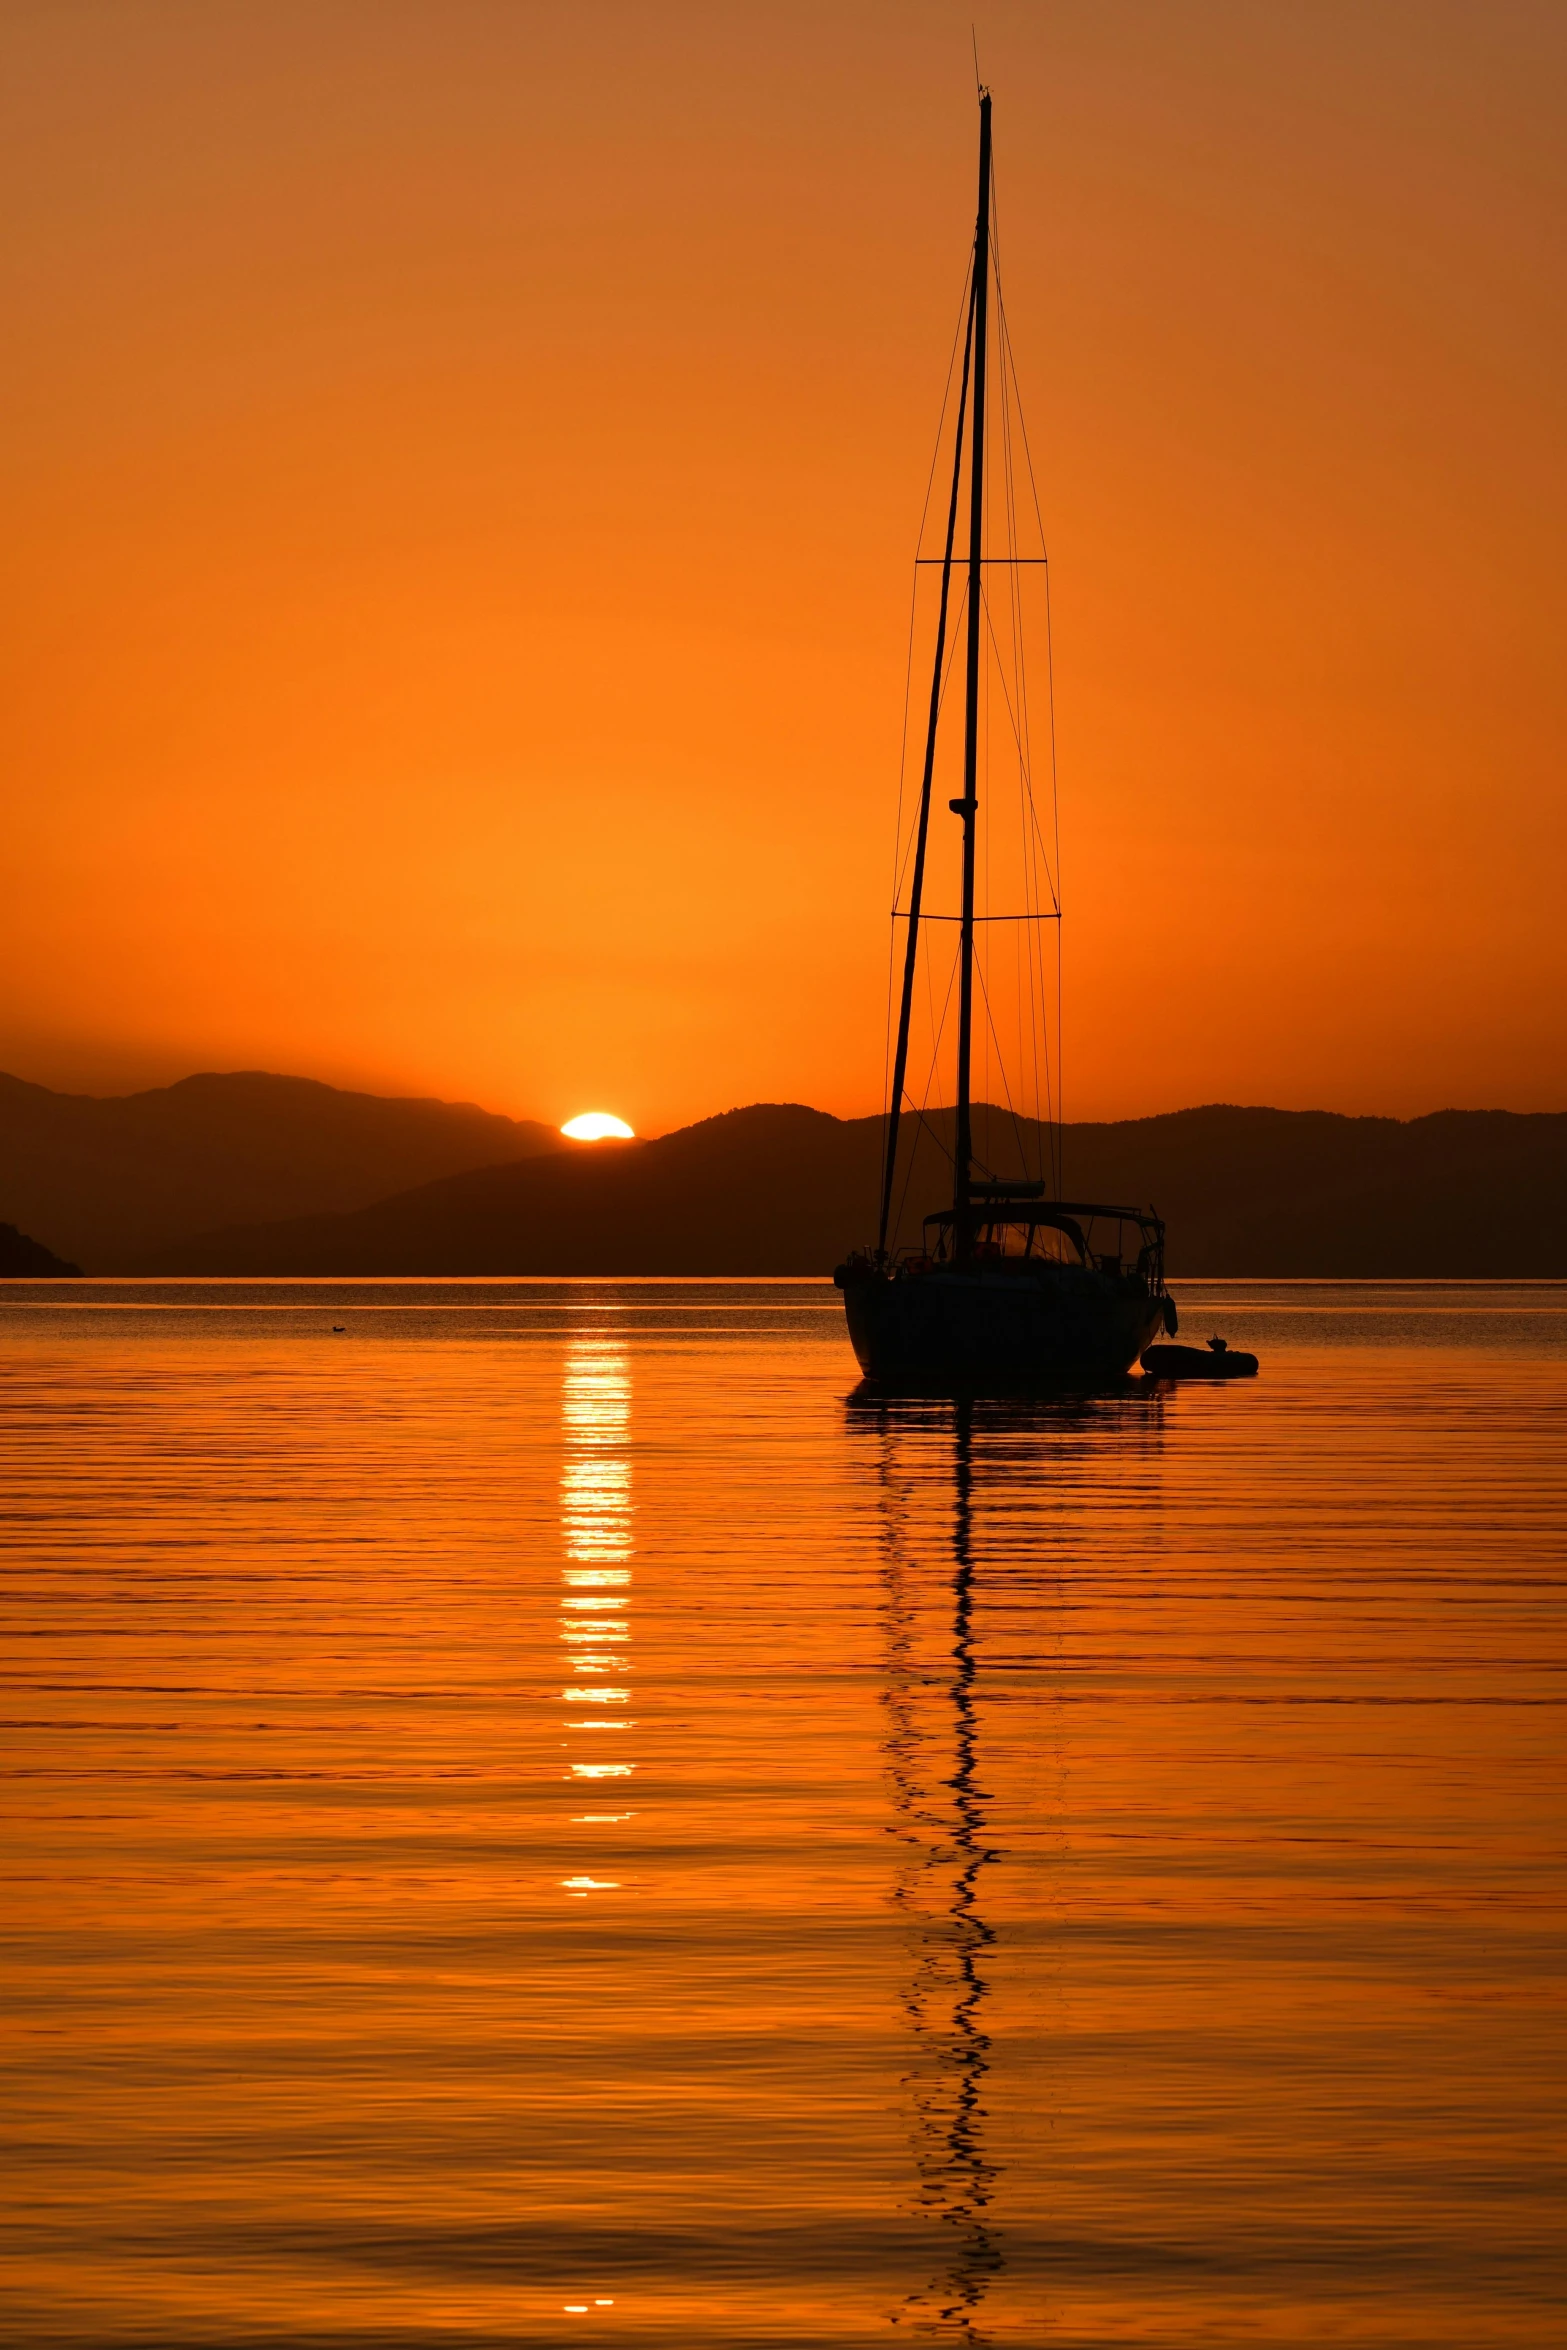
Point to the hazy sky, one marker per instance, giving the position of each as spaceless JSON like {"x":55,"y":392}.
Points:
{"x":462,"y":461}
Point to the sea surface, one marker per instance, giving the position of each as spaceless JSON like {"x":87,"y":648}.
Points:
{"x":535,"y":1814}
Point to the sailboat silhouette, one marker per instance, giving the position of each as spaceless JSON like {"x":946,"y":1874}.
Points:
{"x":1011,"y":1283}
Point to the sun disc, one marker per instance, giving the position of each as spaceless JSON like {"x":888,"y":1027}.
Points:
{"x":597,"y":1126}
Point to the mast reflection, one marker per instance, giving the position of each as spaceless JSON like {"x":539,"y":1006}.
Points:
{"x":1027,"y":1456}
{"x":933,"y":1765}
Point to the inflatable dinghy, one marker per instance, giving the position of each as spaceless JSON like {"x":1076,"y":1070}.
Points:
{"x":1215,"y":1361}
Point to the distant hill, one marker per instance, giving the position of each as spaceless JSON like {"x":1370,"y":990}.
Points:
{"x":760,"y":1190}
{"x":27,"y":1260}
{"x":778,"y":1188}
{"x":1462,"y":1194}
{"x":105,"y":1182}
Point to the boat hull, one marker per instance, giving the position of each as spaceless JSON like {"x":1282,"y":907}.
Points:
{"x":1198,"y":1362}
{"x":971,"y":1330}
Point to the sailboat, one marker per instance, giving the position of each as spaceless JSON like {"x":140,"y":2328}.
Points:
{"x":1010,"y":1283}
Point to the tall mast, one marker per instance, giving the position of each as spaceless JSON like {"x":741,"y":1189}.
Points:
{"x":968,"y":806}
{"x":917,"y":884}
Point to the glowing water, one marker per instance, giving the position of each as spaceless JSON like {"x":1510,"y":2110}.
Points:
{"x":536,"y":1819}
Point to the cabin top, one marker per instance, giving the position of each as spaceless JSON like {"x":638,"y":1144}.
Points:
{"x":991,"y":1203}
{"x":1015,"y":1221}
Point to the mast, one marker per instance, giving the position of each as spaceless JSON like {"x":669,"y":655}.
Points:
{"x":968,"y":806}
{"x":917,"y":883}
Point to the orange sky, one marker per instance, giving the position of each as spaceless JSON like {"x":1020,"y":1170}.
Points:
{"x":461,"y":468}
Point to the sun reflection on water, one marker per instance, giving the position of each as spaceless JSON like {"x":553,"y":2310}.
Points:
{"x":595,"y":1523}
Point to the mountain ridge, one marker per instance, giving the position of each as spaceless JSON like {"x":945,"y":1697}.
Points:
{"x":782,"y":1188}
{"x":25,"y":1259}
{"x":99,"y":1179}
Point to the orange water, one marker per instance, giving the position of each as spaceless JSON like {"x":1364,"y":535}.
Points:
{"x":537,"y":1818}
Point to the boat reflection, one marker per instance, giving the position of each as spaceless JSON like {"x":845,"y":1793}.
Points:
{"x":932,"y":1763}
{"x":939,"y":1458}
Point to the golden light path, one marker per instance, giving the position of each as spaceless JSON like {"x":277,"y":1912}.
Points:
{"x":595,"y":1512}
{"x":595,"y":1628}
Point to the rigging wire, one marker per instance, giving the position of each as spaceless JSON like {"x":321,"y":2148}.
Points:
{"x":901,"y":848}
{"x":1033,"y":812}
{"x":923,"y":1104}
{"x":1040,"y":859}
{"x":1016,"y":707}
{"x":1009,"y":365}
{"x":1001,"y":1070}
{"x":1035,"y":852}
{"x":1012,"y":509}
{"x":1030,"y":950}
{"x":955,"y":631}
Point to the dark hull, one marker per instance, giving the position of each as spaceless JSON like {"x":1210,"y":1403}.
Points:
{"x":1198,"y":1362}
{"x":978,"y":1330}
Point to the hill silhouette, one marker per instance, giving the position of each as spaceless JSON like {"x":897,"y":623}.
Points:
{"x":759,"y":1190}
{"x":779,"y":1188}
{"x":106,"y":1181}
{"x":22,"y":1259}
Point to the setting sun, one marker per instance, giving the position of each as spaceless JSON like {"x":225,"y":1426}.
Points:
{"x":598,"y":1126}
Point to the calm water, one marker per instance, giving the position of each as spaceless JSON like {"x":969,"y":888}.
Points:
{"x":534,"y":1818}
